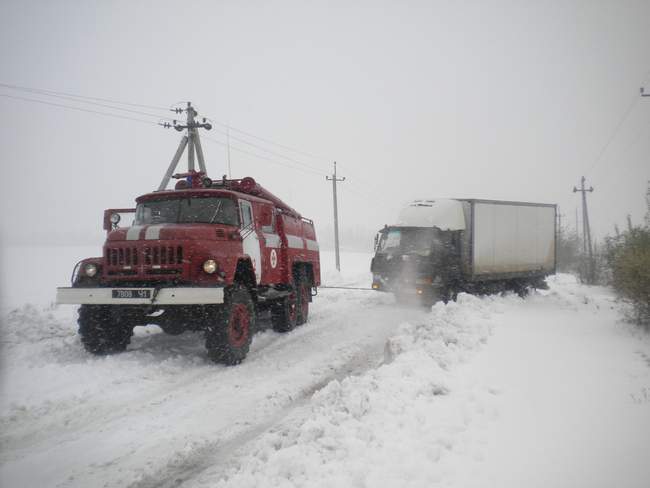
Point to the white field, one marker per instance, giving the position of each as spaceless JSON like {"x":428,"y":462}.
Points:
{"x":550,"y":391}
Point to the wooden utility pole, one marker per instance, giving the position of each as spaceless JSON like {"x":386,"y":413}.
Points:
{"x":586,"y":231}
{"x":334,"y":180}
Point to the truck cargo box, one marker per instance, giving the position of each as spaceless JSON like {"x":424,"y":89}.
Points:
{"x":508,"y":239}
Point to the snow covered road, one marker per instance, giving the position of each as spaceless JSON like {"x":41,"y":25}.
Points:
{"x":553,"y":390}
{"x":162,"y":410}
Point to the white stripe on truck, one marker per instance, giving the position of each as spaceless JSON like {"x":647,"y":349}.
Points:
{"x":153,"y":232}
{"x":295,"y":242}
{"x":311,"y":245}
{"x":133,"y":234}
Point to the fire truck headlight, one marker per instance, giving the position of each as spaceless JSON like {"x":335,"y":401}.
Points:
{"x":90,"y":270}
{"x":210,"y":266}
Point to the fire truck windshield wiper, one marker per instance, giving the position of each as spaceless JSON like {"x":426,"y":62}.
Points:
{"x":216,"y":212}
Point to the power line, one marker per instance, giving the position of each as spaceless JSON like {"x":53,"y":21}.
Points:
{"x":76,"y":100}
{"x":125,"y":117}
{"x":268,"y":141}
{"x":262,"y":157}
{"x":72,"y":97}
{"x":53,"y":93}
{"x":243,"y":141}
{"x":70,"y":107}
{"x":613,"y":135}
{"x":94,"y":101}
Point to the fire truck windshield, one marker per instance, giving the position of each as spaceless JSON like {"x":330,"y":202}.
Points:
{"x":204,"y":210}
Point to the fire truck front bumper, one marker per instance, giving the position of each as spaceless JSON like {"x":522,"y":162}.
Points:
{"x":140,"y":296}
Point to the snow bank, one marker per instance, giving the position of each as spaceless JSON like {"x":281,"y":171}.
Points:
{"x":392,"y":426}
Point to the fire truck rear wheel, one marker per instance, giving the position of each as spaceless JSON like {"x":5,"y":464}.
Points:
{"x":103,"y":330}
{"x":304,"y":290}
{"x":229,"y":331}
{"x":284,"y":313}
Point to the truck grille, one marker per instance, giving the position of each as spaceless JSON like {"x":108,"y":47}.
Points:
{"x":163,"y":255}
{"x":123,"y":256}
{"x":151,"y":255}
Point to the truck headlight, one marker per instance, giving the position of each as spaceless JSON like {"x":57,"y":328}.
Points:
{"x":90,"y":270}
{"x":210,"y":266}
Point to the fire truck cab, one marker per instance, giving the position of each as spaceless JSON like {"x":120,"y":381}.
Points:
{"x":208,"y":255}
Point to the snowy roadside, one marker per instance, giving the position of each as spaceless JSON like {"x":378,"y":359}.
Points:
{"x":444,"y":410}
{"x":391,"y":426}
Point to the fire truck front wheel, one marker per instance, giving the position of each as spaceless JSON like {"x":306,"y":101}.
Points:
{"x":103,"y":329}
{"x":229,"y":331}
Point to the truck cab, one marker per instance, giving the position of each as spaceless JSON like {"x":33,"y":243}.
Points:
{"x":419,"y":257}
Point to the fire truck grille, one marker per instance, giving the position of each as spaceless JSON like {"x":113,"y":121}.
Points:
{"x":123,"y":256}
{"x":150,"y":255}
{"x":163,"y":255}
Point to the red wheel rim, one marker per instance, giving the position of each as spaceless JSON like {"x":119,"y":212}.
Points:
{"x":238,"y":325}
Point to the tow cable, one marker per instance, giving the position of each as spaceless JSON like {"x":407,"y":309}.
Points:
{"x":346,"y":288}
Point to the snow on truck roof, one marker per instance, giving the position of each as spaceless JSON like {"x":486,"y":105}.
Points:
{"x":443,"y":213}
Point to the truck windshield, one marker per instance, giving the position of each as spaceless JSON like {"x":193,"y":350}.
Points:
{"x":204,"y":210}
{"x":418,"y":241}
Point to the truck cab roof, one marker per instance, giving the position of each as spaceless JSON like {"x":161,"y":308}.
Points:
{"x":443,"y":213}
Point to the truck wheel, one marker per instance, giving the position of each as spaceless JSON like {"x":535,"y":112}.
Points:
{"x":304,"y":290}
{"x":284,"y":313}
{"x":173,"y":329}
{"x":230,"y":331}
{"x":102,"y":330}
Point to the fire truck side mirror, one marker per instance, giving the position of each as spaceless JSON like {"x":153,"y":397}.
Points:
{"x":113,"y":216}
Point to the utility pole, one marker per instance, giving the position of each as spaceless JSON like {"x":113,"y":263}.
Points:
{"x":647,"y":200}
{"x":334,"y":180}
{"x":191,"y":140}
{"x":586,"y":231}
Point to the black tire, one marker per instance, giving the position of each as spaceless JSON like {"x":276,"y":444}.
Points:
{"x":173,"y":329}
{"x":284,"y":313}
{"x":229,"y":331}
{"x":303,"y":289}
{"x":103,"y":329}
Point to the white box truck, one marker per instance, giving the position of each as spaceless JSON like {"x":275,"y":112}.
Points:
{"x":440,"y":247}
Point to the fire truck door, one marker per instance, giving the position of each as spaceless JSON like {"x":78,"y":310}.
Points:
{"x":250,"y":239}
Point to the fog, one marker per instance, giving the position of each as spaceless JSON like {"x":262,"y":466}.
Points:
{"x":498,"y":100}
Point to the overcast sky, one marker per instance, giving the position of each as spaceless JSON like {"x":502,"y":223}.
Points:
{"x":500,"y":100}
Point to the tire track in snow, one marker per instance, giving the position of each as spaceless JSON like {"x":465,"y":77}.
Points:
{"x":280,"y":374}
{"x":219,"y":453}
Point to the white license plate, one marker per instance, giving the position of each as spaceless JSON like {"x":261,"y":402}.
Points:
{"x":117,"y":293}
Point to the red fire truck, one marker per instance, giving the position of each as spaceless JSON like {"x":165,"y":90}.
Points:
{"x":208,"y":255}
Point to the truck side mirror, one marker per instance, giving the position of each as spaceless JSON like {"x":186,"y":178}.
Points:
{"x":113,"y":216}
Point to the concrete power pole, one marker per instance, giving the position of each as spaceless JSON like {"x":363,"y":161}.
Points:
{"x":334,"y":180}
{"x":191,"y":140}
{"x":586,"y":231}
{"x":647,"y":201}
